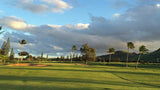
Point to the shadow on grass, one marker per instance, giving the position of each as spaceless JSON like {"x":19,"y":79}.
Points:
{"x":29,"y":87}
{"x":55,"y":79}
{"x":151,"y":65}
{"x":67,"y":80}
{"x":146,"y":84}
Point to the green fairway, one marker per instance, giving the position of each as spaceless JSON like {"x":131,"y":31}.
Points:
{"x":63,"y":76}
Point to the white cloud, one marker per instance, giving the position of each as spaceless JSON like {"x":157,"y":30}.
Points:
{"x":44,"y":6}
{"x":59,"y":54}
{"x":16,"y":23}
{"x":57,"y":48}
{"x":158,"y":5}
{"x":55,"y":26}
{"x":58,"y":5}
{"x":30,"y":44}
{"x":79,"y":26}
{"x":13,"y":22}
{"x":116,"y":15}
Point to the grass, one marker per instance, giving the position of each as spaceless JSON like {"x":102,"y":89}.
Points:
{"x":66,"y":76}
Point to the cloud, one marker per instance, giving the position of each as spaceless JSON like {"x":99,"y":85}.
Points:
{"x":158,"y":5}
{"x":139,"y":24}
{"x":13,"y":22}
{"x":57,"y":48}
{"x":121,"y":4}
{"x":116,"y":15}
{"x":147,"y":2}
{"x":42,"y":5}
{"x":1,"y":11}
{"x":16,"y":23}
{"x":79,"y":26}
{"x":57,"y":5}
{"x":40,"y":37}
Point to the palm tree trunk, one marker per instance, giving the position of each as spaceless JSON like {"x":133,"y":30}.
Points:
{"x":21,"y":52}
{"x":138,"y":60}
{"x":109,"y":58}
{"x":127,"y":58}
{"x":86,"y":62}
{"x":71,"y":56}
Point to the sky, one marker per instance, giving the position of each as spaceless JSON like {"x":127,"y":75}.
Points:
{"x":54,"y":26}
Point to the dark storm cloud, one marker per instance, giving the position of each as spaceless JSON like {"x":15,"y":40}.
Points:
{"x":139,"y":23}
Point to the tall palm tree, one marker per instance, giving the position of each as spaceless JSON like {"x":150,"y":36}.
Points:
{"x":73,"y":49}
{"x":130,"y":45}
{"x":111,"y":51}
{"x":142,"y":50}
{"x":22,"y":42}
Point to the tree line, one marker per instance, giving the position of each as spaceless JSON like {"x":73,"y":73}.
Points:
{"x":87,"y":53}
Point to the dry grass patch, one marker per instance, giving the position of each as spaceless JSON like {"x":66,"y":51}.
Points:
{"x":26,"y":64}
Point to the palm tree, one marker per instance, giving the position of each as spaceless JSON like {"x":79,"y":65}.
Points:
{"x":73,"y":49}
{"x":111,"y":51}
{"x":130,"y":45}
{"x":22,"y":42}
{"x":142,"y":50}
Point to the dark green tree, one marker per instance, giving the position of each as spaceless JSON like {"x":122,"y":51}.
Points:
{"x":67,"y":57}
{"x":29,"y":57}
{"x":89,"y":54}
{"x":12,"y":54}
{"x":130,"y":45}
{"x":77,"y":57}
{"x":3,"y":58}
{"x":6,"y":47}
{"x":61,"y":59}
{"x":57,"y":58}
{"x":22,"y":54}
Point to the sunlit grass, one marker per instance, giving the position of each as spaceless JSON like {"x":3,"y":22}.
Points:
{"x":66,"y":76}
